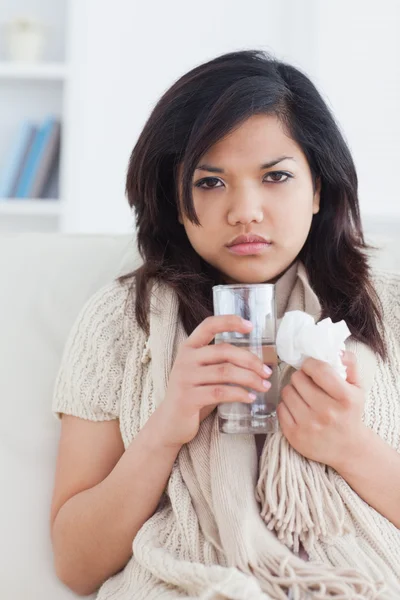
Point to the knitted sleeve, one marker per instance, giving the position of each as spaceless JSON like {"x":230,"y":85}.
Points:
{"x":89,"y":380}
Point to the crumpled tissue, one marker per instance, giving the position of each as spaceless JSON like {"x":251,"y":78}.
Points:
{"x":299,"y":337}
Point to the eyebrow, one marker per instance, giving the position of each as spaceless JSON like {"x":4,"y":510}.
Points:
{"x":267,"y":165}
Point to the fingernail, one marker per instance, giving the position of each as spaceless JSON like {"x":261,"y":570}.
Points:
{"x":247,"y":323}
{"x":266,"y":384}
{"x":252,"y":396}
{"x":267,"y":370}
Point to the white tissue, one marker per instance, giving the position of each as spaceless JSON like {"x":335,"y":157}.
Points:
{"x":299,"y":337}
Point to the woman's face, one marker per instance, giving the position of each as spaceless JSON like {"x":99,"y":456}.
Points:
{"x":236,"y":193}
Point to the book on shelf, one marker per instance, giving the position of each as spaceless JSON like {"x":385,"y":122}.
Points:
{"x":16,"y":158}
{"x":33,"y":159}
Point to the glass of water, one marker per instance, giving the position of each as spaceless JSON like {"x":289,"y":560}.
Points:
{"x":256,"y":303}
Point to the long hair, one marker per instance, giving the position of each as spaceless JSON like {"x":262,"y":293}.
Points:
{"x":198,"y":110}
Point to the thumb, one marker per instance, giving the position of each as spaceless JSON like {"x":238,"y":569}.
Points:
{"x":349,"y":359}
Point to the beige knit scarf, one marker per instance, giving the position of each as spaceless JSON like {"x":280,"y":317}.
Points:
{"x":236,"y":533}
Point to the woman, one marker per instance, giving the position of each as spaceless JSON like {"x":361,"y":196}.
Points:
{"x":150,"y":501}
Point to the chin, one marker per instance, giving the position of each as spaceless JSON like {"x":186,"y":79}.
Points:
{"x":247,"y":277}
{"x":253,"y":273}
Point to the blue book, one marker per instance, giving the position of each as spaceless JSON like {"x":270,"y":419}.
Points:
{"x":34,"y":158}
{"x":16,"y":158}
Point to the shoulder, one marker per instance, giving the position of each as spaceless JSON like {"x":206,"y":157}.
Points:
{"x":109,"y":309}
{"x":386,"y":275}
{"x":387,"y":284}
{"x":111,"y":297}
{"x":89,"y":379}
{"x":387,"y":287}
{"x":105,"y":326}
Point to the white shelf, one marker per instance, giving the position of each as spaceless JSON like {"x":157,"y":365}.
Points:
{"x":38,"y":71}
{"x":17,"y":207}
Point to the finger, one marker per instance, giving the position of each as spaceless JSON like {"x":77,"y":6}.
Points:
{"x":222,"y":353}
{"x":208,"y":329}
{"x":324,"y":375}
{"x":228,"y":373}
{"x":295,"y":404}
{"x":285,"y":416}
{"x":311,"y":393}
{"x":349,"y":359}
{"x":220,"y":394}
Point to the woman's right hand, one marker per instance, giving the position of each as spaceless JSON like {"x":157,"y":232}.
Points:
{"x":200,"y":374}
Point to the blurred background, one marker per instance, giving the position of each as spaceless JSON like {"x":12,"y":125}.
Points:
{"x":78,"y":79}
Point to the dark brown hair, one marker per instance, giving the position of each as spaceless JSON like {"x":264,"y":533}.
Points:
{"x":197,"y":111}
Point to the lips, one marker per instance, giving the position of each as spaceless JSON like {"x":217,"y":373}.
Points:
{"x":248,"y":239}
{"x":250,"y":244}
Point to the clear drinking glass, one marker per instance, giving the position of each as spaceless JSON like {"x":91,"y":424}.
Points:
{"x":256,"y":303}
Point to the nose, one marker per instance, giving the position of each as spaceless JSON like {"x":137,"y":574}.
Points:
{"x":245,"y":208}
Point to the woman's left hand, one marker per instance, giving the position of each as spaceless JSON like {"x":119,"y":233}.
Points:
{"x":320,"y":413}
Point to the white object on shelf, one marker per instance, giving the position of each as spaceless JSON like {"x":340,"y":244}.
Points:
{"x":25,"y":39}
{"x":46,"y":70}
{"x":32,"y":207}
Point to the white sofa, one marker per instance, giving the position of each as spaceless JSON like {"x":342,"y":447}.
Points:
{"x":45,"y":280}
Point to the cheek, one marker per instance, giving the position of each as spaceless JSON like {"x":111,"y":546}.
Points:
{"x":296,"y":218}
{"x":209,"y":212}
{"x":211,"y":216}
{"x":291,"y":224}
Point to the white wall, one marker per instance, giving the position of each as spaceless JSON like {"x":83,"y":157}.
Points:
{"x":358,"y":68}
{"x":125,"y":55}
{"x":351,"y":50}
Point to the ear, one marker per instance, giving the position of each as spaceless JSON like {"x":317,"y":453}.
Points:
{"x":317,"y":196}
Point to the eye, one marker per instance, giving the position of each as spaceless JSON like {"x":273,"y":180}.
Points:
{"x":277,"y":176}
{"x":207,"y":180}
{"x":210,"y":183}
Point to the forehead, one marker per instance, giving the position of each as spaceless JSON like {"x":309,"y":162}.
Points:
{"x":258,"y":139}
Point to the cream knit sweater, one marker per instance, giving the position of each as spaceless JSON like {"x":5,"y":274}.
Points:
{"x":224,"y":528}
